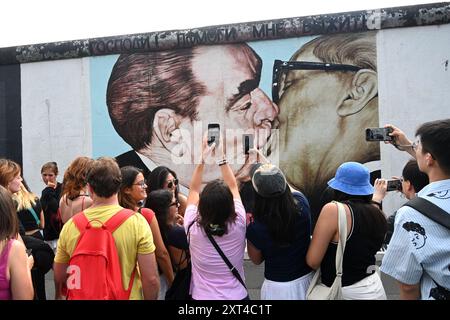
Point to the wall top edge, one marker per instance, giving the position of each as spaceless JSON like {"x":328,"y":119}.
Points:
{"x":345,"y":22}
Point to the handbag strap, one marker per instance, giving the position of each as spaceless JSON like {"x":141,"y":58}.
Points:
{"x":342,"y":225}
{"x":38,"y":221}
{"x":186,"y":252}
{"x":230,"y":266}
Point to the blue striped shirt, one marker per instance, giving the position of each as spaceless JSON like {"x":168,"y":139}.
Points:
{"x":419,"y":250}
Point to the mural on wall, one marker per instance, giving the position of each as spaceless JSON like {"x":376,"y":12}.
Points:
{"x":327,"y":94}
{"x":160,"y":104}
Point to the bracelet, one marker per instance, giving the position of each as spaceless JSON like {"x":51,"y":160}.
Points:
{"x":222,"y":162}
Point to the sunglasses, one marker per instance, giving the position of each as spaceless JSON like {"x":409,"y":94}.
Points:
{"x":171,"y":183}
{"x":280,"y":68}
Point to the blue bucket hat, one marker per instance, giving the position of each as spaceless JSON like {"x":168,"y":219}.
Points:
{"x":352,"y":178}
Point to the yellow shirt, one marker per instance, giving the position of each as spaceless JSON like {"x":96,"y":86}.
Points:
{"x":132,"y":237}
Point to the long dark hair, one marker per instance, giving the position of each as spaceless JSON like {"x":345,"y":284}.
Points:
{"x":216,"y":207}
{"x":279,"y":214}
{"x":159,"y":201}
{"x":129,"y":174}
{"x":372,"y":219}
{"x":157,"y":178}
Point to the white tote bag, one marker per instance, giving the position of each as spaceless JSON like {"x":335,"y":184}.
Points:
{"x":317,"y":290}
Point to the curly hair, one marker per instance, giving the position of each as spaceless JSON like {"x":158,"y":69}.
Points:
{"x":75,"y":177}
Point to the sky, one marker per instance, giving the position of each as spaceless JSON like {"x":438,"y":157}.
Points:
{"x":31,"y":21}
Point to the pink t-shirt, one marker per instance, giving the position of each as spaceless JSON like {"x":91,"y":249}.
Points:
{"x":211,"y":277}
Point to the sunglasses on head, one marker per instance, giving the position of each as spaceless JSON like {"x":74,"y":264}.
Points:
{"x":171,"y":183}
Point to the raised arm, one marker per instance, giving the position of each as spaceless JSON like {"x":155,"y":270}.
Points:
{"x":230,"y":180}
{"x":196,"y":180}
{"x":401,"y":141}
{"x":380,"y":189}
{"x":194,"y":187}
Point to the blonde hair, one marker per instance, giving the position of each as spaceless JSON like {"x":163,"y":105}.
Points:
{"x":25,"y":199}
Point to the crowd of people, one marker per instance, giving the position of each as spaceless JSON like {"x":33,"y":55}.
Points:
{"x":143,"y":226}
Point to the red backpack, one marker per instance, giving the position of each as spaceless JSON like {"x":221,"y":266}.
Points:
{"x":94,"y":268}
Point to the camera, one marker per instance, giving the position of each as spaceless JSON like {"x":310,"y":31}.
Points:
{"x":247,"y":142}
{"x":378,"y":134}
{"x":213,"y":133}
{"x":394,"y":185}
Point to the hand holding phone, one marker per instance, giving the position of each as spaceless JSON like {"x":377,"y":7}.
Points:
{"x":394,"y":185}
{"x":213,"y":133}
{"x":378,"y":134}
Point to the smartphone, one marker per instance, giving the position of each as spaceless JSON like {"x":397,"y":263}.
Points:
{"x":213,"y":133}
{"x":378,"y":134}
{"x":394,"y":185}
{"x":247,"y":142}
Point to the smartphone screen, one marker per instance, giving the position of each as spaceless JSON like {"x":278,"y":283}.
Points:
{"x":213,"y":133}
{"x":247,"y":142}
{"x":378,"y":134}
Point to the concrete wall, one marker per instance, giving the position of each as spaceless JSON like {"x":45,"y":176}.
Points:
{"x":414,"y":83}
{"x":56,"y":115}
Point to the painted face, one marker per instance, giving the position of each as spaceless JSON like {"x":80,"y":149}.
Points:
{"x":138,"y":189}
{"x":417,"y":239}
{"x":233,"y":99}
{"x":14,"y":184}
{"x":48,"y":176}
{"x":314,"y":140}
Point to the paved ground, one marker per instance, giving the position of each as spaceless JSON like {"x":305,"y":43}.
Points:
{"x":254,"y":278}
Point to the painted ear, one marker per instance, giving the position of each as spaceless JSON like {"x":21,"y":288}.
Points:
{"x":164,"y":124}
{"x":364,"y":88}
{"x":166,"y":128}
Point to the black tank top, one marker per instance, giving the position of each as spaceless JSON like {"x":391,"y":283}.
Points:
{"x":363,"y":242}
